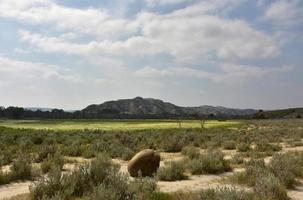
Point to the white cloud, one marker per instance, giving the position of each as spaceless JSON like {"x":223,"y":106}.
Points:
{"x":165,"y":2}
{"x":218,"y":7}
{"x":182,"y":37}
{"x":89,"y":21}
{"x":284,"y":12}
{"x":190,"y":33}
{"x":229,"y":72}
{"x":29,"y":70}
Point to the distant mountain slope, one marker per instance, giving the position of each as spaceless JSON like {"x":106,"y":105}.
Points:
{"x":282,"y":113}
{"x":154,"y":107}
{"x":219,"y":110}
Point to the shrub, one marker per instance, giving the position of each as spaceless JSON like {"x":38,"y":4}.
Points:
{"x":172,"y":144}
{"x":212,"y":162}
{"x":73,"y":150}
{"x":52,"y":161}
{"x":253,"y":170}
{"x":127,"y":154}
{"x":173,"y":172}
{"x":21,"y":168}
{"x":46,"y":151}
{"x":101,"y":180}
{"x":47,"y":187}
{"x":267,"y":147}
{"x":237,"y":159}
{"x":101,"y":192}
{"x":286,"y":167}
{"x":88,"y":152}
{"x":190,"y":151}
{"x":5,"y":158}
{"x":5,"y":178}
{"x":223,"y":193}
{"x":243,"y":147}
{"x":269,"y":187}
{"x":229,"y":145}
{"x":213,"y":194}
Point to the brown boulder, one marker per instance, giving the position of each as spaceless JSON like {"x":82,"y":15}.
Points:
{"x":146,"y":161}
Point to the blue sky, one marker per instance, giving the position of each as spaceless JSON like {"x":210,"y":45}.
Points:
{"x":234,"y":53}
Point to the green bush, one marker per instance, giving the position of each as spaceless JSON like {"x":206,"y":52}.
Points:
{"x":243,"y":147}
{"x":101,"y":179}
{"x":5,"y":158}
{"x":73,"y":150}
{"x":47,"y":187}
{"x":5,"y":178}
{"x":269,"y":187}
{"x":190,"y":151}
{"x":286,"y":167}
{"x":237,"y":159}
{"x":253,"y":170}
{"x":52,"y":161}
{"x":210,"y":163}
{"x":267,"y":147}
{"x":224,"y":193}
{"x":229,"y":145}
{"x":102,"y":192}
{"x":21,"y":168}
{"x":173,"y":172}
{"x":45,"y":151}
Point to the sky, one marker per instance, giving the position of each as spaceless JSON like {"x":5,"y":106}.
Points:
{"x":69,"y":54}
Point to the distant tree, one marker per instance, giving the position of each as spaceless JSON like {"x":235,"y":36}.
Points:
{"x":2,"y":109}
{"x":259,"y":115}
{"x":202,"y":122}
{"x":298,"y":116}
{"x":179,"y":122}
{"x":14,"y":112}
{"x":211,"y":116}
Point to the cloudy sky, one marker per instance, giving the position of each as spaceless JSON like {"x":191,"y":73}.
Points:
{"x":68,"y":54}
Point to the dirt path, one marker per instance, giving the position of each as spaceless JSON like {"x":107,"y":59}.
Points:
{"x":195,"y":183}
{"x":296,"y":194}
{"x":13,"y":189}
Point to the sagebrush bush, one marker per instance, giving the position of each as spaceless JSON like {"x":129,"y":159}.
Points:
{"x":172,"y":172}
{"x":229,"y":145}
{"x":243,"y":147}
{"x":286,"y":167}
{"x":267,"y":147}
{"x":45,"y":151}
{"x":190,"y":151}
{"x":222,"y":193}
{"x":21,"y":168}
{"x":55,"y":160}
{"x":237,"y":159}
{"x":5,"y":157}
{"x":269,"y":187}
{"x":212,"y":162}
{"x":5,"y":178}
{"x":101,"y":179}
{"x":253,"y":170}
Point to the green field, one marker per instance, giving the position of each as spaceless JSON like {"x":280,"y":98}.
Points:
{"x":112,"y":124}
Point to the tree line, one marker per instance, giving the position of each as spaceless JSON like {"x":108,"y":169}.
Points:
{"x":22,"y":113}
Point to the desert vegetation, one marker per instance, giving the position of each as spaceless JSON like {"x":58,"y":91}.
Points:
{"x":256,"y":159}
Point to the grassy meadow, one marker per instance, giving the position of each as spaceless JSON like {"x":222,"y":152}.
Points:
{"x":113,"y":124}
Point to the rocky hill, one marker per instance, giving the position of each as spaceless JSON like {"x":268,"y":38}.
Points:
{"x":149,"y":107}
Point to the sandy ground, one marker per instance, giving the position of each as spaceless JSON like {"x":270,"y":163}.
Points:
{"x":13,"y":189}
{"x":296,"y":194}
{"x":194,"y":183}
